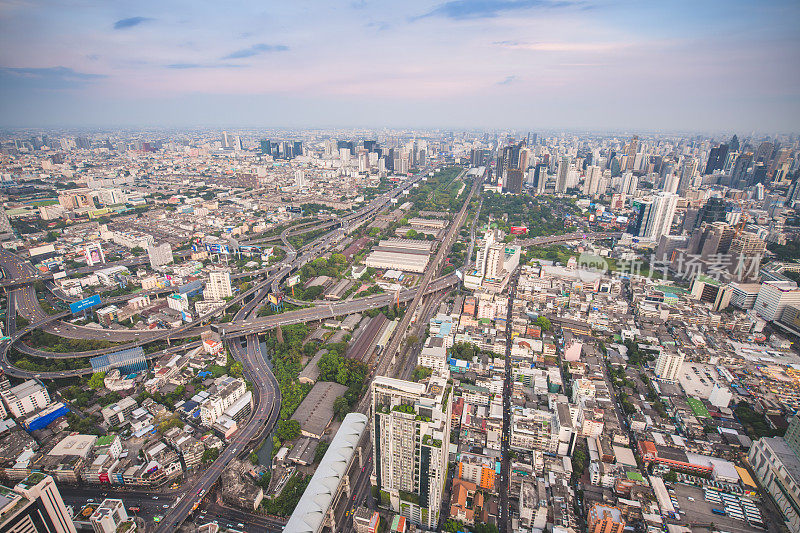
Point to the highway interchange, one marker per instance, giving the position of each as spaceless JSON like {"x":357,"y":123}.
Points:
{"x":21,"y":275}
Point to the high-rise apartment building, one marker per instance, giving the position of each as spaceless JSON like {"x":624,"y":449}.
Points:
{"x":411,"y":435}
{"x":562,"y":175}
{"x":218,"y":286}
{"x":668,"y":366}
{"x":655,"y":215}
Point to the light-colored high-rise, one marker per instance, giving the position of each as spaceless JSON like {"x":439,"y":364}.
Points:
{"x":657,"y":215}
{"x":562,"y":176}
{"x":411,"y":436}
{"x":160,"y":255}
{"x":218,"y":286}
{"x":35,"y":504}
{"x":668,"y":366}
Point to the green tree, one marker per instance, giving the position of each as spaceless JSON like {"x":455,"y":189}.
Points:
{"x":288,"y":430}
{"x":341,"y":407}
{"x":544,"y":323}
{"x":96,"y":381}
{"x":671,"y":476}
{"x":210,"y":455}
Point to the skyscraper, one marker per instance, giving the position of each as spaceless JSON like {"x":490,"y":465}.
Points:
{"x":35,"y":505}
{"x":656,"y":215}
{"x":716,"y":158}
{"x":513,"y":180}
{"x":562,"y":175}
{"x":411,"y":436}
{"x":631,"y":152}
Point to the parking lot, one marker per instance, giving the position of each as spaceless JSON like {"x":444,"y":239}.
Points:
{"x":699,"y":511}
{"x":700,"y":383}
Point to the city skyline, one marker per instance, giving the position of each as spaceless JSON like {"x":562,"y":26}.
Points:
{"x":458,"y":64}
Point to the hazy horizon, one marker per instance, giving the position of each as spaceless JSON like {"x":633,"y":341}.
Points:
{"x":560,"y":65}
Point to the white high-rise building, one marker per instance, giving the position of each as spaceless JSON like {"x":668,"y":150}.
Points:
{"x":562,"y":176}
{"x":630,"y":182}
{"x":774,"y":296}
{"x":160,"y":255}
{"x":592,"y":183}
{"x":411,"y":436}
{"x":299,"y":178}
{"x":657,"y":214}
{"x":218,"y":286}
{"x":43,"y":511}
{"x":668,"y":366}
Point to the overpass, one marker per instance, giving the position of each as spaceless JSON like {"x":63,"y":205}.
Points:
{"x":577,"y":236}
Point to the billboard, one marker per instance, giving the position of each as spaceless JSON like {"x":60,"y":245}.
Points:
{"x":94,"y":254}
{"x":217,"y":248}
{"x":275,"y":299}
{"x":86,"y":303}
{"x":293,"y":209}
{"x":519,"y":230}
{"x":294,"y":280}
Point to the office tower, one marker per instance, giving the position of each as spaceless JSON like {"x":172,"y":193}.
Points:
{"x":82,"y":143}
{"x":540,"y":178}
{"x":265,"y":148}
{"x":688,"y":169}
{"x":479,"y":157}
{"x":668,"y":366}
{"x":758,"y":175}
{"x":746,"y":251}
{"x":774,"y":296}
{"x":297,"y":148}
{"x":226,"y":141}
{"x":716,"y":158}
{"x":669,"y":244}
{"x":764,"y":152}
{"x":524,"y":159}
{"x":777,"y":468}
{"x":734,"y":144}
{"x":370,"y":146}
{"x":159,"y":255}
{"x":631,"y":153}
{"x":562,"y":175}
{"x":218,"y":286}
{"x":739,"y":171}
{"x":513,"y":180}
{"x":34,"y":506}
{"x":655,"y":215}
{"x":411,"y":436}
{"x":711,"y":239}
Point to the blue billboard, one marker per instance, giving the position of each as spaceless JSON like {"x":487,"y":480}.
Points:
{"x":86,"y":303}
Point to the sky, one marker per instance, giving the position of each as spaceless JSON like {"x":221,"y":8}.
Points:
{"x":695,"y":66}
